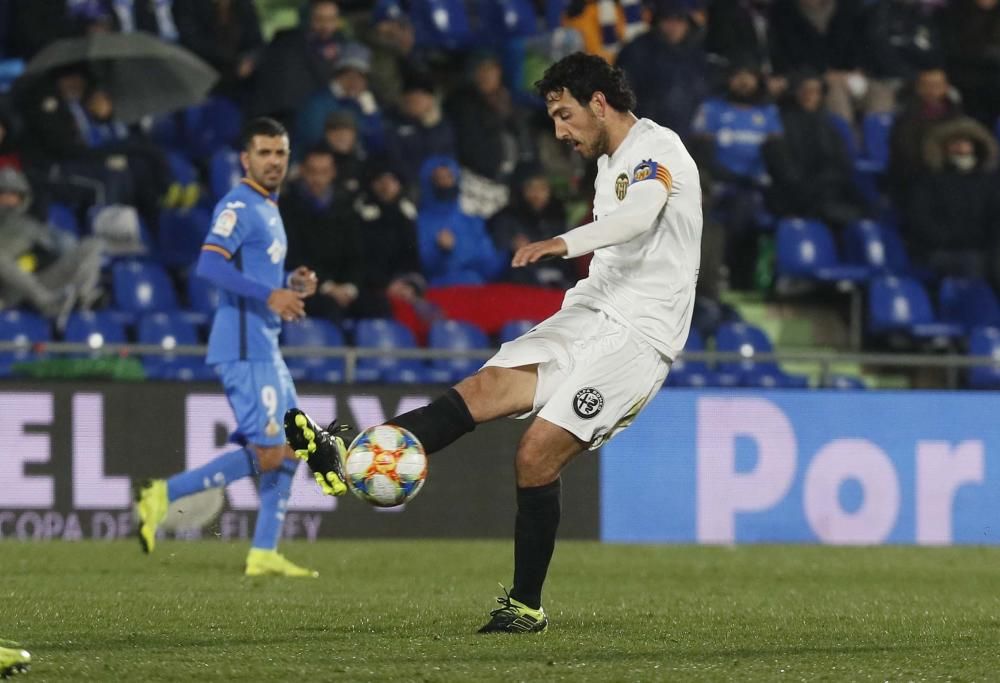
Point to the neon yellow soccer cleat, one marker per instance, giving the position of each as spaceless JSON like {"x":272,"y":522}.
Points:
{"x":322,"y":449}
{"x":13,"y":660}
{"x":515,"y":617}
{"x":150,"y":509}
{"x":272,"y":563}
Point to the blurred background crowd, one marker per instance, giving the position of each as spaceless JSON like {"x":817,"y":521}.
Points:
{"x":842,"y":142}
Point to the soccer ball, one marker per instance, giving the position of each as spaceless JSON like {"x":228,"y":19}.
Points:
{"x":385,"y":466}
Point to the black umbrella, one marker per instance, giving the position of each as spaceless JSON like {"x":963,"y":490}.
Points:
{"x":143,"y":74}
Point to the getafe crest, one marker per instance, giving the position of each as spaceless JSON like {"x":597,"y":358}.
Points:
{"x":621,"y":186}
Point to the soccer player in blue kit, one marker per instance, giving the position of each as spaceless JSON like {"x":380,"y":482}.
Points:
{"x":244,"y":256}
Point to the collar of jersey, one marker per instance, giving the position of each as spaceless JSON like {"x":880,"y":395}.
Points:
{"x":628,"y":135}
{"x":259,"y":189}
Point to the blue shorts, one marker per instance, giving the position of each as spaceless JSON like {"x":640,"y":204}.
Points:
{"x":259,"y":392}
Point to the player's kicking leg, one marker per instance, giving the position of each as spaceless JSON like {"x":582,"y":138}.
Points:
{"x":323,"y":450}
{"x":13,"y":659}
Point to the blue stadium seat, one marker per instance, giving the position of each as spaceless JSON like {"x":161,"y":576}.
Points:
{"x":224,"y":171}
{"x":141,"y":287}
{"x":10,"y":70}
{"x":969,"y":302}
{"x":845,"y":383}
{"x":95,"y":329}
{"x":877,"y":246}
{"x":512,"y":329}
{"x":63,"y":217}
{"x":25,"y":329}
{"x":385,"y":333}
{"x":456,"y":336}
{"x":876,"y":129}
{"x":805,"y":250}
{"x":181,"y":235}
{"x":846,"y":131}
{"x":210,"y":126}
{"x":314,"y":332}
{"x":748,"y":341}
{"x":691,"y":373}
{"x":985,"y":341}
{"x":169,"y":330}
{"x":900,"y":306}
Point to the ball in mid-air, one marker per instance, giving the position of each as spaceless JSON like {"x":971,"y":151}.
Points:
{"x":386,"y":466}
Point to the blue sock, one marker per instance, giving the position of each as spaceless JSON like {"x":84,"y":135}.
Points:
{"x":225,"y":469}
{"x":275,"y":488}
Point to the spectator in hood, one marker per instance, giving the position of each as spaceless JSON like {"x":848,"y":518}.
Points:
{"x":667,"y":68}
{"x":953,"y":215}
{"x":40,"y":265}
{"x":454,"y":246}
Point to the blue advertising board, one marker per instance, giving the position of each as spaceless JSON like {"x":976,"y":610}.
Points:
{"x":702,"y":466}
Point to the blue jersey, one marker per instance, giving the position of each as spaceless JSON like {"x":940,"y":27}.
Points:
{"x":739,"y":132}
{"x":247,"y":229}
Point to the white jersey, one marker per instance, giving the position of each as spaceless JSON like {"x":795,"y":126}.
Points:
{"x":648,"y":282}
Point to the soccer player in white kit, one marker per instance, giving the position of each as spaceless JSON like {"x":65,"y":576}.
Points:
{"x":586,"y":372}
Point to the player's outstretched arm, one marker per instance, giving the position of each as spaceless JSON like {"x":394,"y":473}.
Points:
{"x":536,"y":251}
{"x":635,"y":215}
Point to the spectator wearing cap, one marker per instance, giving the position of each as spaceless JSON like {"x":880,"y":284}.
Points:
{"x":323,"y":234}
{"x":394,"y":55}
{"x":455,"y":248}
{"x":340,"y":135}
{"x":347,"y":91}
{"x":533,"y":215}
{"x":391,"y":265}
{"x":667,"y":68}
{"x":417,"y":129}
{"x":298,"y":62}
{"x":226,"y":34}
{"x":490,"y":132}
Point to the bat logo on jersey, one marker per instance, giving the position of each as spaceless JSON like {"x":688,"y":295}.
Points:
{"x":588,"y":402}
{"x":621,"y":186}
{"x":642,"y":171}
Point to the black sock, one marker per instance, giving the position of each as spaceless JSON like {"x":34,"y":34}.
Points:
{"x":439,"y":423}
{"x":538,"y":510}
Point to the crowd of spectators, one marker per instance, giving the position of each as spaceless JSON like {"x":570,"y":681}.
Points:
{"x":423,"y":157}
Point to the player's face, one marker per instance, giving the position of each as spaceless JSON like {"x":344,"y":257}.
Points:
{"x":266,"y":161}
{"x":577,"y":124}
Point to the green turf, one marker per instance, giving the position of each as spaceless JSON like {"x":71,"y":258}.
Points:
{"x":406,"y":611}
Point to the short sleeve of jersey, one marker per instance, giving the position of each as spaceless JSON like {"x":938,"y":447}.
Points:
{"x":654,"y":168}
{"x":229,"y":229}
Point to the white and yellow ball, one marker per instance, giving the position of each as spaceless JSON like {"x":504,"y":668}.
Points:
{"x":386,"y":466}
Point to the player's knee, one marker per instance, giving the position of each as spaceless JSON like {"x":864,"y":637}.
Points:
{"x":270,"y":457}
{"x":533,"y":465}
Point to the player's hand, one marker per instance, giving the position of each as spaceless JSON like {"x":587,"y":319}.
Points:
{"x":304,"y":280}
{"x":287,"y":303}
{"x":536,"y":251}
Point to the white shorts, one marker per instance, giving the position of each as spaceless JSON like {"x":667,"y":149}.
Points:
{"x":594,"y":374}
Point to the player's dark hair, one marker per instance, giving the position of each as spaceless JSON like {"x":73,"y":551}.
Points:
{"x":262,"y":125}
{"x":582,"y":75}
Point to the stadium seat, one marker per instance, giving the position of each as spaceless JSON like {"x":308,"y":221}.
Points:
{"x":10,"y":70}
{"x":985,"y":342}
{"x":63,"y":218}
{"x":691,"y":373}
{"x":314,"y":332}
{"x":211,"y":126}
{"x":181,"y":235}
{"x":900,"y":306}
{"x":846,"y":132}
{"x":512,"y":329}
{"x":224,"y":171}
{"x":969,"y":302}
{"x":805,"y":250}
{"x":877,"y":246}
{"x":169,"y":330}
{"x":25,"y":329}
{"x":748,"y":341}
{"x":385,"y":333}
{"x":95,"y":329}
{"x":455,"y":335}
{"x":141,"y":287}
{"x":876,"y":129}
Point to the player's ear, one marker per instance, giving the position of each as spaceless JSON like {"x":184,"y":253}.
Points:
{"x":245,"y":161}
{"x":598,"y":104}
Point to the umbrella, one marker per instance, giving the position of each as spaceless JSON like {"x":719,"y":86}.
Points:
{"x":143,"y":74}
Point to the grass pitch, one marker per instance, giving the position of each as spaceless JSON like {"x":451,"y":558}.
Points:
{"x":407,"y":611}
